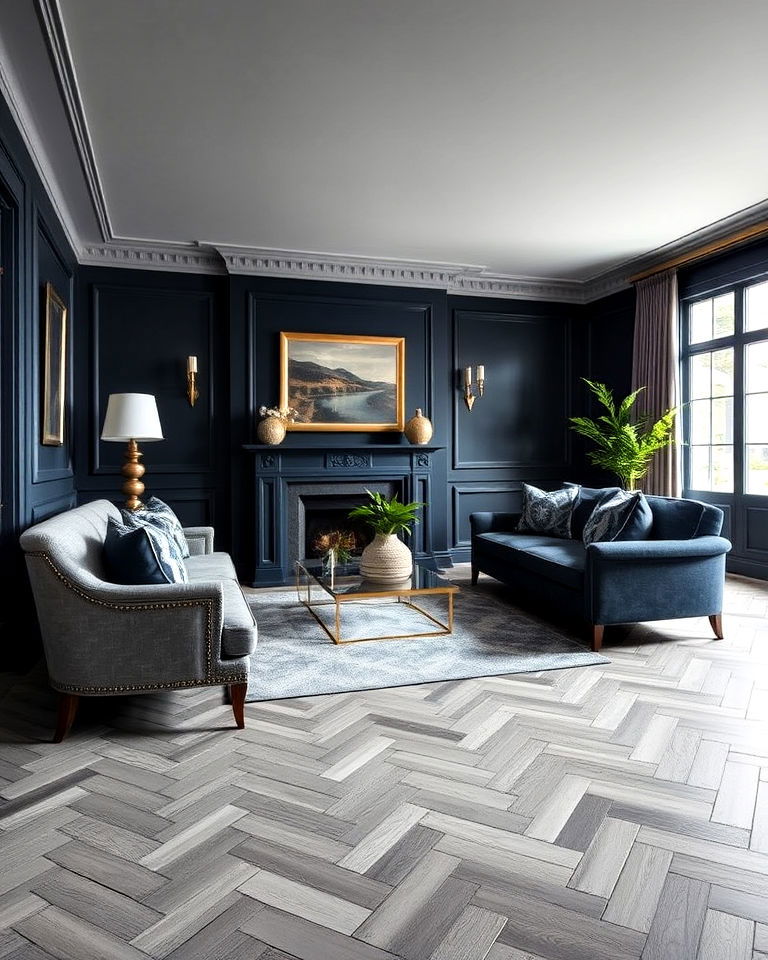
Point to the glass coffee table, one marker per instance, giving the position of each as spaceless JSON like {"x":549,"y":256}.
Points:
{"x":317,"y":586}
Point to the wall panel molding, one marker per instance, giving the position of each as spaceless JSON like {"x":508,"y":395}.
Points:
{"x":175,"y":295}
{"x":462,"y":420}
{"x":505,"y":490}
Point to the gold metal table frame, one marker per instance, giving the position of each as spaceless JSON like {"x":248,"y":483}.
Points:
{"x":401,"y":593}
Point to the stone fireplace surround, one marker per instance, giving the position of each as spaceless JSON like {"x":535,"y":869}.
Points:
{"x":288,"y":478}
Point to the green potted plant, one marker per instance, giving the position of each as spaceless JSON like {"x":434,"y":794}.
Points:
{"x":624,"y":448}
{"x":386,"y":559}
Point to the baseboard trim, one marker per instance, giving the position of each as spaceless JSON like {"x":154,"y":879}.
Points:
{"x":747,"y":568}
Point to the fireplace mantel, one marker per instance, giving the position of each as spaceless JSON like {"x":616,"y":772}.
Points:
{"x":279,"y":471}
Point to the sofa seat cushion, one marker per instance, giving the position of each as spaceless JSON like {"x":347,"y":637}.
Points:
{"x":210,"y":566}
{"x":238,"y":637}
{"x":500,"y":545}
{"x":562,"y":561}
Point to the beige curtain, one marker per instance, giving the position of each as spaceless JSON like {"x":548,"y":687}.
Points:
{"x":654,"y":367}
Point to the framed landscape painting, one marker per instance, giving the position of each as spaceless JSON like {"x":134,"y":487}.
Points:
{"x":341,"y":382}
{"x":54,"y":368}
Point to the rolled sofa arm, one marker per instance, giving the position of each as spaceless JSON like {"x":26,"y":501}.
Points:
{"x":199,"y":539}
{"x":102,"y":637}
{"x":655,"y":550}
{"x":488,"y":522}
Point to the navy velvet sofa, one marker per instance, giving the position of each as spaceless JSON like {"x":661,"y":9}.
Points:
{"x":678,"y":572}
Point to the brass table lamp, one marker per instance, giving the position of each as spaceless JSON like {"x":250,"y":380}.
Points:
{"x":132,"y":417}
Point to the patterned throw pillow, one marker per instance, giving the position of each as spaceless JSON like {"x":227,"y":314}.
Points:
{"x":157,"y":514}
{"x":626,"y":516}
{"x":140,"y":554}
{"x":547,"y":512}
{"x":586,"y":501}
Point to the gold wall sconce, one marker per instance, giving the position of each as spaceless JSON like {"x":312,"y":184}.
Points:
{"x":192,"y":391}
{"x":469,"y":395}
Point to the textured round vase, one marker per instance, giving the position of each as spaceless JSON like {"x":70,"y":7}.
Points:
{"x":271,"y":430}
{"x":386,"y":559}
{"x":419,"y":428}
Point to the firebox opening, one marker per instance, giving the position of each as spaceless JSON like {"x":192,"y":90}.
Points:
{"x":329,"y":514}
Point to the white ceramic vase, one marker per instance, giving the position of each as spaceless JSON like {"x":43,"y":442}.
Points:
{"x":386,"y":559}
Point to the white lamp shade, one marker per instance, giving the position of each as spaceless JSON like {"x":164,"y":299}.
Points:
{"x":131,"y":416}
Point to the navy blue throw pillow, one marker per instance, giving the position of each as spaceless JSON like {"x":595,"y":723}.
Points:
{"x":586,"y":501}
{"x":625,"y":516}
{"x":140,"y":555}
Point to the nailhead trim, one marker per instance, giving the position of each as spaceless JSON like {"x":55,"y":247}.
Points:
{"x":128,"y":607}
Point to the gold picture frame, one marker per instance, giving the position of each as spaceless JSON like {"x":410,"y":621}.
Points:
{"x":364,"y":380}
{"x":54,"y":368}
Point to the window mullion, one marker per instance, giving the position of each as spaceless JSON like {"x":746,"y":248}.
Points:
{"x":739,"y":390}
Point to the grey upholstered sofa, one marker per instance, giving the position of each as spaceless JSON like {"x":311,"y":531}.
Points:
{"x":103,"y":638}
{"x":678,"y":572}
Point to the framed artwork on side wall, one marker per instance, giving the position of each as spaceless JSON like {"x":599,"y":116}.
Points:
{"x":343,"y":382}
{"x":54,"y":368}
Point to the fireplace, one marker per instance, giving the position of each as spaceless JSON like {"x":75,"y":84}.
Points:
{"x":314,"y":508}
{"x":300,"y":489}
{"x":329,"y":514}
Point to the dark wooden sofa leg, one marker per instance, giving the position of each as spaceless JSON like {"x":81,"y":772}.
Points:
{"x":597,"y":636}
{"x":475,"y":575}
{"x":716,"y":622}
{"x":68,"y":704}
{"x":237,"y":692}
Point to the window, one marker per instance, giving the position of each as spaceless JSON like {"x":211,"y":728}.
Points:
{"x":725,"y":380}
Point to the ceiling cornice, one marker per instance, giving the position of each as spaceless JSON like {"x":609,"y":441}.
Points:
{"x":216,"y":258}
{"x":185,"y":258}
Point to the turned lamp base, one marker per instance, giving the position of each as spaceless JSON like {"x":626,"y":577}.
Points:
{"x":131,"y":417}
{"x":133,"y":471}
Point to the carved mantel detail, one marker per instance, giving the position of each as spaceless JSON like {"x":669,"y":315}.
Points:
{"x":347,"y":461}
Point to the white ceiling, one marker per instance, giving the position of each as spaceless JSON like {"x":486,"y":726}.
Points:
{"x":544,"y":138}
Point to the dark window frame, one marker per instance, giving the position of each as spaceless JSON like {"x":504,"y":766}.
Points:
{"x":738,"y":340}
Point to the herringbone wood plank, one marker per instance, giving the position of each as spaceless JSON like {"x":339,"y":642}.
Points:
{"x":608,"y":812}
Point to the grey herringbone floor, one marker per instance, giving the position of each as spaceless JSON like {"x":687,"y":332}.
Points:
{"x":604,"y":813}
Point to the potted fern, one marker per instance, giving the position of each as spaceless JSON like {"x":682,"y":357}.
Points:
{"x":624,"y":448}
{"x":386,"y":559}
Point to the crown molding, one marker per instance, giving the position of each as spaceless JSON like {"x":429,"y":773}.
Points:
{"x":455,"y":278}
{"x":617,"y":277}
{"x":139,"y":256}
{"x":306,"y":265}
{"x":215,"y":258}
{"x":504,"y":285}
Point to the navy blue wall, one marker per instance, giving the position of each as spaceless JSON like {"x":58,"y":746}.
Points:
{"x":141,"y":325}
{"x":518,"y":431}
{"x":604,"y":355}
{"x":35,"y":480}
{"x":138,"y":329}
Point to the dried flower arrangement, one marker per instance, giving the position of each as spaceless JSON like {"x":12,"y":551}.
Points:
{"x":283,"y":413}
{"x":342,"y":542}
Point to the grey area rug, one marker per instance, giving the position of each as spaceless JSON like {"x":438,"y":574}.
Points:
{"x":295,"y":657}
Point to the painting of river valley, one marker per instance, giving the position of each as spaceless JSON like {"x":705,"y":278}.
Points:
{"x":339,"y":382}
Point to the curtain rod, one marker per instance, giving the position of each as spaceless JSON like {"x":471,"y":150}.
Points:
{"x":715,"y":246}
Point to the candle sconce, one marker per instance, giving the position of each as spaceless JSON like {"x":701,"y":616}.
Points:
{"x":192,"y":391}
{"x":469,"y":395}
